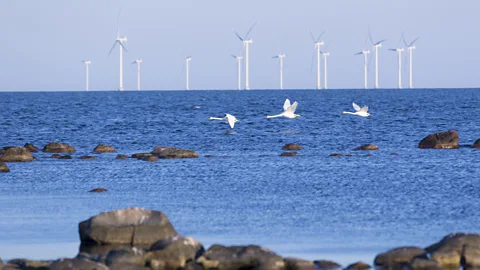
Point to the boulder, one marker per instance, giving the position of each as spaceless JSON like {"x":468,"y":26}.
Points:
{"x":358,"y":266}
{"x":77,"y":264}
{"x":131,"y":226}
{"x":98,"y":190}
{"x":470,"y":257}
{"x":241,"y":257}
{"x":288,"y":154}
{"x":440,"y":140}
{"x":327,"y":265}
{"x":27,"y":264}
{"x":16,"y":154}
{"x":103,"y":148}
{"x":65,"y":157}
{"x":292,"y":146}
{"x":4,"y":168}
{"x":336,"y":155}
{"x":170,"y":152}
{"x":298,"y":264}
{"x":366,"y":147}
{"x":398,"y":257}
{"x":87,"y":157}
{"x":54,"y":147}
{"x":141,"y":155}
{"x":131,"y":256}
{"x":174,"y":253}
{"x":56,"y":156}
{"x":150,"y":159}
{"x":448,"y":252}
{"x":424,"y":264}
{"x":476,"y":144}
{"x":121,"y":157}
{"x":32,"y":148}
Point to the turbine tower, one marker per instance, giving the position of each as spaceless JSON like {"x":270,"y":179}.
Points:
{"x":410,"y":48}
{"x":138,"y":62}
{"x":376,"y":45}
{"x":239,"y":70}
{"x":365,"y":54}
{"x":187,"y":62}
{"x":87,"y":63}
{"x":318,"y":45}
{"x":120,"y":40}
{"x":246,"y":44}
{"x":399,"y":51}
{"x":281,"y":56}
{"x":325,"y":54}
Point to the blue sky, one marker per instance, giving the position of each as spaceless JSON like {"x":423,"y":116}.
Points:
{"x":44,"y":42}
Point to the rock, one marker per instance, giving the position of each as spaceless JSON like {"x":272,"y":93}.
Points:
{"x":365,"y":147}
{"x":131,"y":226}
{"x":424,"y":264}
{"x":16,"y":154}
{"x":132,"y":256}
{"x":121,"y":157}
{"x":175,"y":252}
{"x":208,"y":156}
{"x":87,"y":157}
{"x":65,"y":157}
{"x":169,"y":152}
{"x":77,"y":264}
{"x":4,"y":168}
{"x":141,"y":155}
{"x":292,"y":146}
{"x":336,"y":155}
{"x":241,"y":257}
{"x":288,"y":154}
{"x":98,"y":190}
{"x":298,"y":264}
{"x":26,"y":264}
{"x":327,"y":265}
{"x":54,"y":147}
{"x":449,"y":250}
{"x":56,"y":156}
{"x":398,"y":257}
{"x":32,"y":148}
{"x":358,"y":266}
{"x":127,"y":266}
{"x":440,"y":140}
{"x":349,"y":155}
{"x":476,"y":144}
{"x":150,"y":159}
{"x":103,"y":148}
{"x":470,"y":257}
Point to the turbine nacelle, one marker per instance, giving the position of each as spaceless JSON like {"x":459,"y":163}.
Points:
{"x":318,"y":44}
{"x":188,"y":58}
{"x":87,"y":62}
{"x":247,"y":41}
{"x":122,"y":39}
{"x":325,"y":53}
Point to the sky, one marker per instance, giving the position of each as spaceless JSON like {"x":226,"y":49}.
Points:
{"x":43,"y":43}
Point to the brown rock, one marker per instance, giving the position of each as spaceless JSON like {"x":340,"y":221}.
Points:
{"x":298,"y":264}
{"x":175,"y":252}
{"x":87,"y":157}
{"x":365,"y":147}
{"x":121,"y":157}
{"x":16,"y":154}
{"x":131,"y":226}
{"x":26,"y":264}
{"x":292,"y":146}
{"x":98,"y":190}
{"x":150,"y":159}
{"x":449,"y":250}
{"x":169,"y":152}
{"x":32,"y":148}
{"x":131,"y":256}
{"x":141,"y":155}
{"x":327,"y":265}
{"x":470,"y":257}
{"x":398,"y":257}
{"x":56,"y":156}
{"x":440,"y":140}
{"x":476,"y":144}
{"x":336,"y":155}
{"x":288,"y":154}
{"x":4,"y":168}
{"x":103,"y":148}
{"x":54,"y":147}
{"x":65,"y":157}
{"x":424,"y":264}
{"x":77,"y":264}
{"x":358,"y":266}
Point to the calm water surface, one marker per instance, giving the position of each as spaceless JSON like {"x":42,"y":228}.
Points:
{"x":313,"y":205}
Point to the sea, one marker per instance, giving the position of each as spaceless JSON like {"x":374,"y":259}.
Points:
{"x":240,"y":190}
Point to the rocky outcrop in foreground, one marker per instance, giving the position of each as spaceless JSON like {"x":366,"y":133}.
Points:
{"x":137,"y":238}
{"x":440,"y":140}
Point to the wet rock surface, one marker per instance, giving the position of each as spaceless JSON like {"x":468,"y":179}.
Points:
{"x":121,"y":156}
{"x":398,"y":257}
{"x":440,"y":140}
{"x":170,"y":152}
{"x":98,"y":190}
{"x":54,"y":147}
{"x":16,"y":154}
{"x":367,"y":147}
{"x":32,"y":148}
{"x":103,"y":148}
{"x":87,"y":157}
{"x":292,"y":146}
{"x":4,"y":168}
{"x":327,"y":265}
{"x":288,"y":154}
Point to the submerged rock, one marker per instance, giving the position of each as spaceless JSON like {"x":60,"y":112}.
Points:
{"x":65,"y":157}
{"x":288,"y":154}
{"x":398,"y":257}
{"x":336,"y":155}
{"x":170,"y":152}
{"x":4,"y":168}
{"x":141,"y":155}
{"x":55,"y":156}
{"x":54,"y":147}
{"x":476,"y":144}
{"x":98,"y":190}
{"x":32,"y":148}
{"x":131,"y":226}
{"x":366,"y":147}
{"x":87,"y":157}
{"x":440,"y":140}
{"x":103,"y":148}
{"x":121,"y":157}
{"x":16,"y":154}
{"x":292,"y":146}
{"x":150,"y":158}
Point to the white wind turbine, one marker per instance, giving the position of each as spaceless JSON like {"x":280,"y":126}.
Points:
{"x":246,"y":44}
{"x":138,"y":62}
{"x":365,"y":70}
{"x":280,"y":57}
{"x":410,"y":48}
{"x":187,"y":62}
{"x":318,"y":45}
{"x":325,"y":54}
{"x":399,"y":51}
{"x":376,"y":45}
{"x":87,"y":63}
{"x":239,"y":70}
{"x":119,"y":40}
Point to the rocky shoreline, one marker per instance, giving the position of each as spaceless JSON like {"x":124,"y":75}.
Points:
{"x":137,"y":238}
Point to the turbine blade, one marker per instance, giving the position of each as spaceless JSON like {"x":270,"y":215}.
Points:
{"x":392,"y":50}
{"x":113,"y":47}
{"x":401,"y":38}
{"x":370,"y":36}
{"x":318,"y":39}
{"x":250,"y":30}
{"x":276,"y":56}
{"x":234,"y":56}
{"x":358,"y":53}
{"x":239,"y":36}
{"x":404,"y":41}
{"x":313,"y":38}
{"x":122,"y":46}
{"x":381,"y":41}
{"x":411,"y":44}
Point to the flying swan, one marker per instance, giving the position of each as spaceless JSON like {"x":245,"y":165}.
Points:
{"x":230,"y":119}
{"x":363,"y":112}
{"x":288,"y":110}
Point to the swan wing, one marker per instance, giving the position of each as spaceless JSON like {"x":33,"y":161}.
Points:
{"x":286,"y":105}
{"x":356,"y":107}
{"x":364,"y":109}
{"x":231,"y":120}
{"x":292,"y":108}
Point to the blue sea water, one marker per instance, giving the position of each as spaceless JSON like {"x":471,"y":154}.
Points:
{"x":311,"y":206}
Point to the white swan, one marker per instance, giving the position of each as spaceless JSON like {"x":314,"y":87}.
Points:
{"x":230,"y":119}
{"x":288,"y":110}
{"x":363,"y":112}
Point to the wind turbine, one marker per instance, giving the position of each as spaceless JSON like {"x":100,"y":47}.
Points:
{"x":187,"y":62}
{"x":138,"y":62}
{"x":325,"y":54}
{"x":410,"y":48}
{"x":376,"y":45}
{"x":239,"y":70}
{"x":119,"y":40}
{"x":365,"y":54}
{"x":246,"y":44}
{"x":399,"y":51}
{"x":318,"y":45}
{"x":87,"y":63}
{"x":281,"y":56}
